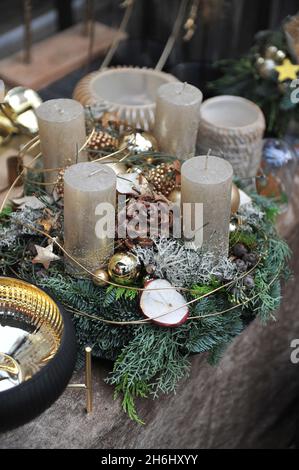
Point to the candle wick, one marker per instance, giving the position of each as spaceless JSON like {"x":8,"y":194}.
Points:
{"x":96,"y":171}
{"x":207,"y":159}
{"x":183,"y":88}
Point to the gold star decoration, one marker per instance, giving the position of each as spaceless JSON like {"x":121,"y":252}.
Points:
{"x":45,"y":255}
{"x":287,"y":71}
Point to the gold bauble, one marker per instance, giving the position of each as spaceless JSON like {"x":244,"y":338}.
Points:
{"x":100,"y":277}
{"x":175,"y":196}
{"x":19,"y":105}
{"x":235,"y":199}
{"x":124,"y":268}
{"x":280,"y":56}
{"x":138,"y":142}
{"x":118,"y":167}
{"x":270,"y":52}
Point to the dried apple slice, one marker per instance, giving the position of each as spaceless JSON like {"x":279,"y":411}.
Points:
{"x":163,"y":304}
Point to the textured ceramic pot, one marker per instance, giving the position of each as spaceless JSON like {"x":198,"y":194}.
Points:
{"x":129,"y":91}
{"x":233,"y":128}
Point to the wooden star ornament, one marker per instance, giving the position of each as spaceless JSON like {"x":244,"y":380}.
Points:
{"x":45,"y":255}
{"x":287,"y":70}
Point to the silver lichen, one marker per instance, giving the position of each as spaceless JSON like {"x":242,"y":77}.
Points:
{"x":182,"y":266}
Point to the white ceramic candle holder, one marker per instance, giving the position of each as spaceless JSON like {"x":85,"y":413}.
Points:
{"x":232,"y":127}
{"x":129,"y":91}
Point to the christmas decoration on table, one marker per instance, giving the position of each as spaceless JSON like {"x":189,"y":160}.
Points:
{"x":146,"y":300}
{"x":189,"y":302}
{"x":277,"y":173}
{"x":264,"y":75}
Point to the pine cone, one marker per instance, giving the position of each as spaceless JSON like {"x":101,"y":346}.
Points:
{"x":102,"y":140}
{"x":163,"y":178}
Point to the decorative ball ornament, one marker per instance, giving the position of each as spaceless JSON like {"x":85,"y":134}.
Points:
{"x":100,"y":277}
{"x":124,"y":268}
{"x":162,"y":178}
{"x":175,"y":196}
{"x":139,"y":141}
{"x":235,"y":199}
{"x":270,"y":52}
{"x":118,"y":167}
{"x":265,"y":67}
{"x":280,"y":56}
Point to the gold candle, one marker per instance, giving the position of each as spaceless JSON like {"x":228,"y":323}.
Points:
{"x":208,"y":180}
{"x":62,"y":133}
{"x":89,"y":193}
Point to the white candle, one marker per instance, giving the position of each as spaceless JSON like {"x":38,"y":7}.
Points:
{"x":208,"y":180}
{"x":86,"y":186}
{"x":62,"y":132}
{"x":177,"y":118}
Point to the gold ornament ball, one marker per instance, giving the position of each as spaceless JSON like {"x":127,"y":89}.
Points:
{"x":100,"y":277}
{"x":270,"y":52}
{"x":124,"y":268}
{"x":138,"y":142}
{"x":280,"y":56}
{"x":235,"y":199}
{"x":118,"y":167}
{"x":175,"y":196}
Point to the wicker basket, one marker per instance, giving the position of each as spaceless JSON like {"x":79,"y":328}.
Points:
{"x":129,"y":91}
{"x":232,"y":127}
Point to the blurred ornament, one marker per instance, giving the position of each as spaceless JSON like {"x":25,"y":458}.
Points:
{"x":280,"y":56}
{"x":139,"y":141}
{"x":175,"y":196}
{"x":102,"y":140}
{"x":162,"y":178}
{"x":235,"y":199}
{"x":109,"y":119}
{"x":117,"y":166}
{"x":59,"y":185}
{"x":270,"y":52}
{"x":7,"y":129}
{"x":100,"y":277}
{"x":287,"y":71}
{"x":124,"y":268}
{"x":277,"y":172}
{"x":265,"y":67}
{"x":19,"y":106}
{"x":135,"y":169}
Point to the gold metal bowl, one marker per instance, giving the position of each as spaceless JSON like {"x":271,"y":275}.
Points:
{"x":37,"y":351}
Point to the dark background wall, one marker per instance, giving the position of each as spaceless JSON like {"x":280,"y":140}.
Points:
{"x":225,"y":28}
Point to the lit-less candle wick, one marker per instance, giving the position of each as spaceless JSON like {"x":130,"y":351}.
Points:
{"x":207,"y":159}
{"x":183,"y":88}
{"x":95,"y":172}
